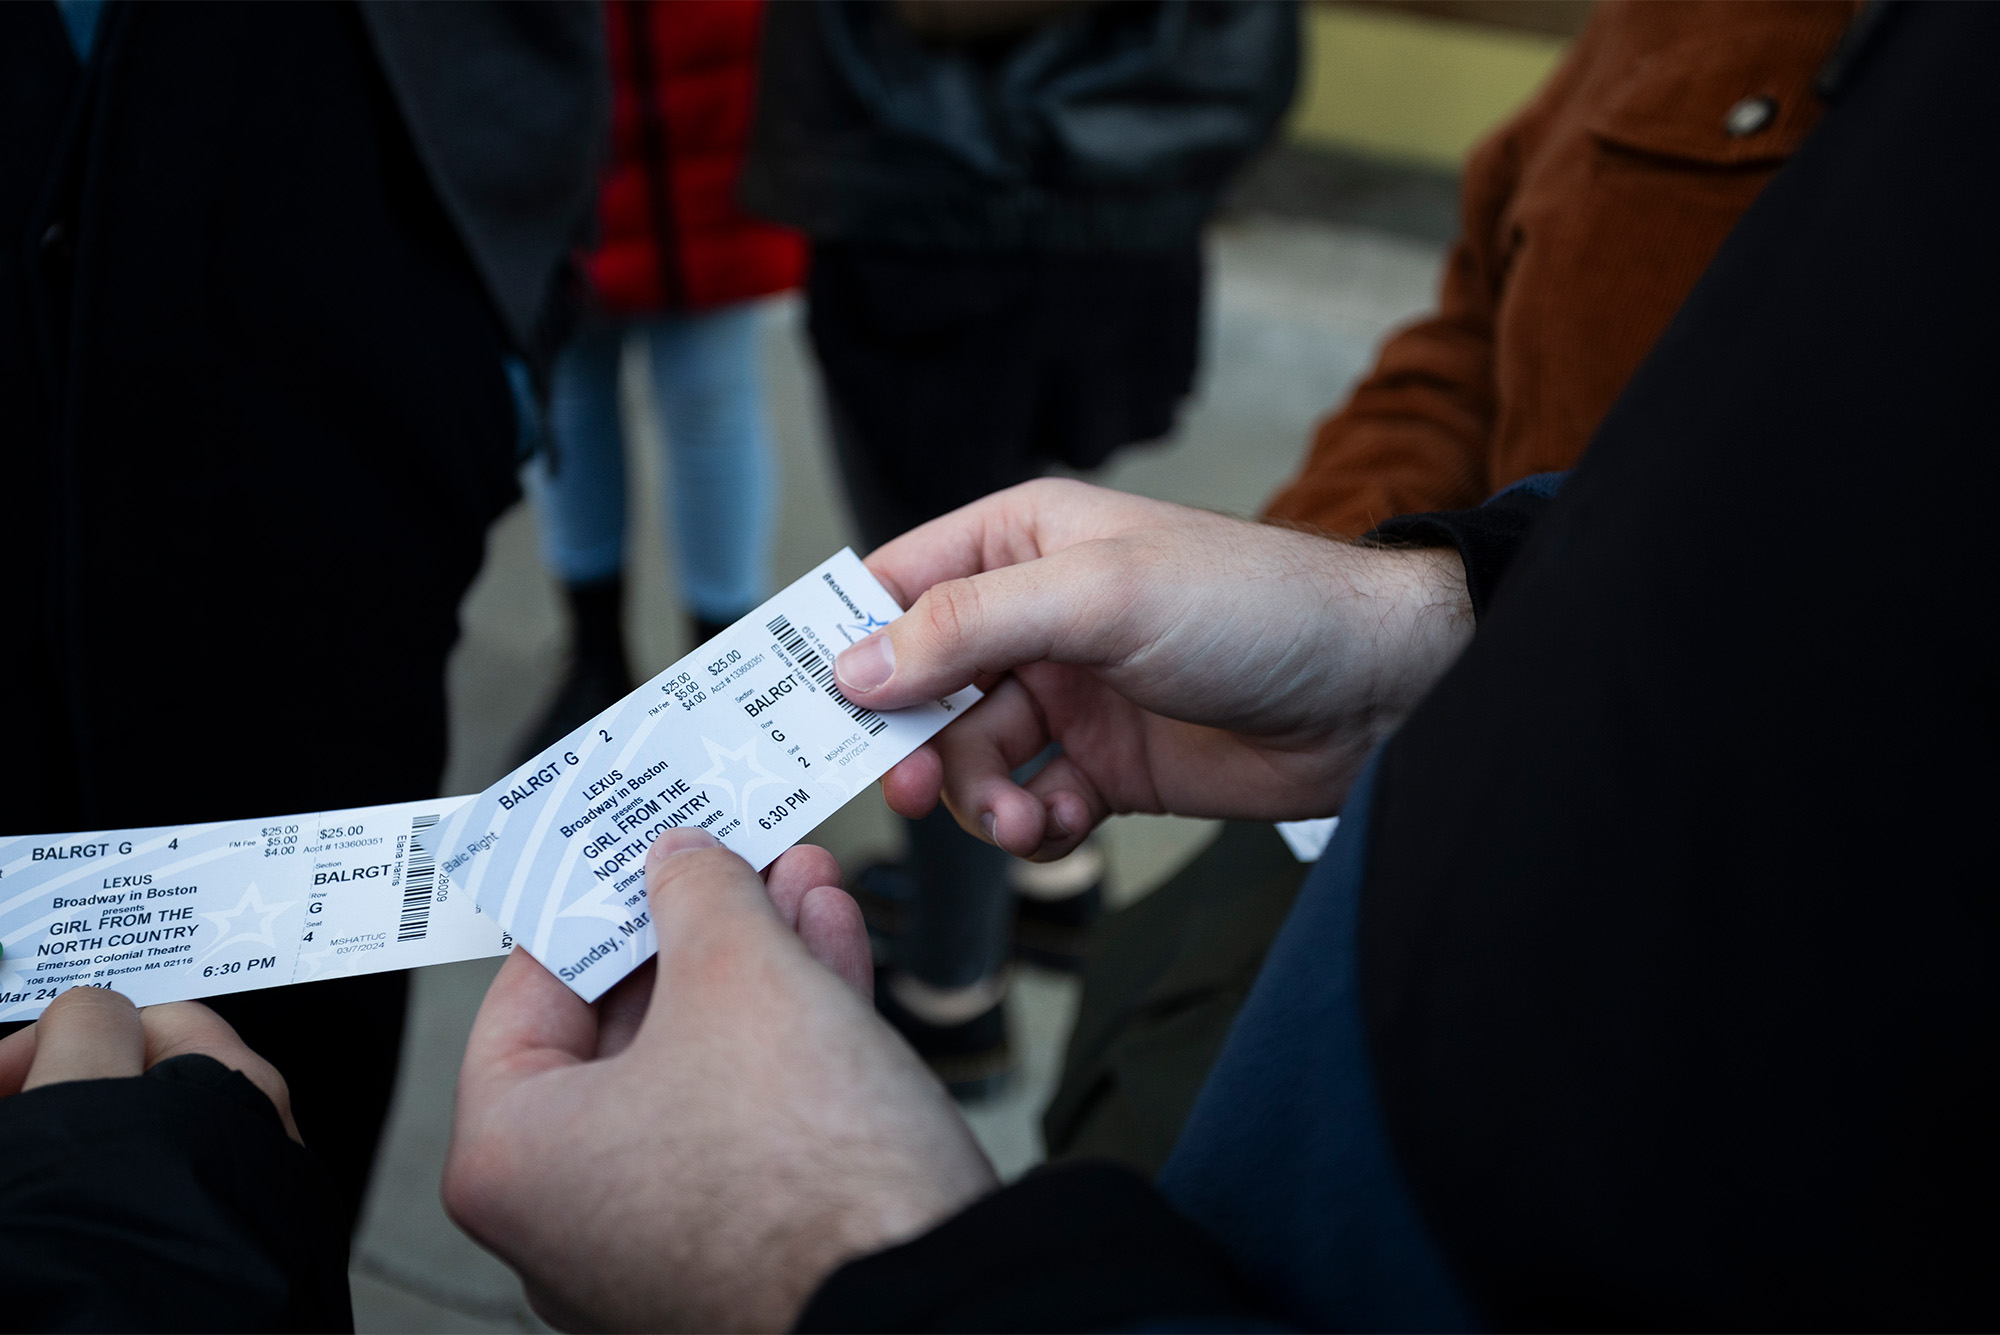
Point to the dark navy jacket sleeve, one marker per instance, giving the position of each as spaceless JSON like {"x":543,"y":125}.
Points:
{"x":1080,"y":1246}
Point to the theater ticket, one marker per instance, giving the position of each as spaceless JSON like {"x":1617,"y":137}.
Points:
{"x":747,"y":738}
{"x":181,"y":911}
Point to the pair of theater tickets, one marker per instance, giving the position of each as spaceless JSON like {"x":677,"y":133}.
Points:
{"x":748,"y":738}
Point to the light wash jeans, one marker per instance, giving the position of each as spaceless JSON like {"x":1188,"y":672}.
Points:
{"x":721,"y":474}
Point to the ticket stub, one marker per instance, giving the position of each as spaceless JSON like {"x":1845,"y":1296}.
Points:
{"x":183,"y":911}
{"x":747,"y":738}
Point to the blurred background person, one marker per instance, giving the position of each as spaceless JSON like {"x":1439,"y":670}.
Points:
{"x":1585,"y":220}
{"x":1005,"y":200}
{"x":678,"y":263}
{"x":274,"y":282}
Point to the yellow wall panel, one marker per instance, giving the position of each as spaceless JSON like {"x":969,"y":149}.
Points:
{"x":1410,"y":88}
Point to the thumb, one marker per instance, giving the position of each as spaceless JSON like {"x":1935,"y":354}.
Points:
{"x":701,"y":896}
{"x":1059,"y":607}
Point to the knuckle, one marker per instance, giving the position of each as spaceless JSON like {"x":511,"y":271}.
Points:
{"x":1042,"y":490}
{"x":188,"y":1020}
{"x":1050,"y":491}
{"x":88,"y":1002}
{"x":952,"y":614}
{"x":272,"y":1081}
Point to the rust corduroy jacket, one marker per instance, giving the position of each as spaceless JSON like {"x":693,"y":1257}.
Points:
{"x":1587,"y":219}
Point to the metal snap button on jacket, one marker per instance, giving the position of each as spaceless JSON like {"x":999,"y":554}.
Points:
{"x":1749,"y":116}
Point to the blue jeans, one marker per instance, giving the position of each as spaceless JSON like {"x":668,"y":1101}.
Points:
{"x":722,"y":471}
{"x":1285,"y":1158}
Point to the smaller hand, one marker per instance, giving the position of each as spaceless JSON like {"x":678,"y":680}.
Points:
{"x":722,"y":1130}
{"x":88,"y":1033}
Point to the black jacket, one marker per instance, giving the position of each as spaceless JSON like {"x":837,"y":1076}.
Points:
{"x":508,"y":103}
{"x":1110,"y":127}
{"x":260,"y":270}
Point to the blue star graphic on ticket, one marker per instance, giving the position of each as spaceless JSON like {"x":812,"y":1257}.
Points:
{"x":742,"y":763}
{"x":748,"y":738}
{"x":252,"y":904}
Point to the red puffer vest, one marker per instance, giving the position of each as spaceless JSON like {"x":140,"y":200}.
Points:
{"x":672,"y":234}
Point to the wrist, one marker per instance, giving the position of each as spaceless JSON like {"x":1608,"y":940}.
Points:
{"x":1375,"y":632}
{"x":1430,"y":626}
{"x":898,"y":1205}
{"x":1382,"y":624}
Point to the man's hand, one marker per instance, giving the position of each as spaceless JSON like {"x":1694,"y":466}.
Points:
{"x":726,"y":1127}
{"x":1187,"y":662}
{"x":88,"y":1033}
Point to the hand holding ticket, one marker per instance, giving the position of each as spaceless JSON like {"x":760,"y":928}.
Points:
{"x":746,"y":738}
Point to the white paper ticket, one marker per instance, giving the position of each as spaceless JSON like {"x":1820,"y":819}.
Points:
{"x":747,"y":738}
{"x":181,"y":911}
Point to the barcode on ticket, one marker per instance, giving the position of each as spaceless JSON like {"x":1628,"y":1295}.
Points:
{"x":801,"y":652}
{"x":419,"y":884}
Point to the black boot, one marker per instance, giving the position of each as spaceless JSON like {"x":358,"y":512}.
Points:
{"x":1057,"y":905}
{"x":598,"y":676}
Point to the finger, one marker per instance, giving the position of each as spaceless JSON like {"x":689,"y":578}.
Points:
{"x":971,"y":539}
{"x":177,"y":1028}
{"x":17,"y":1054}
{"x":87,"y":1033}
{"x":797,"y":870}
{"x":913,"y":785}
{"x":1072,"y":807}
{"x":979,"y":756}
{"x":1064,"y":607}
{"x":622,"y":1010}
{"x":830,"y":925}
{"x":1005,"y":528}
{"x":529,"y":1023}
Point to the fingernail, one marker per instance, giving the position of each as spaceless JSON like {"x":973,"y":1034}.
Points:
{"x":988,"y":824}
{"x":867,"y":664}
{"x":1057,"y":823}
{"x":675,"y":841}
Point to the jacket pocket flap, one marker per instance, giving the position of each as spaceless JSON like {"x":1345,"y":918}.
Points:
{"x":1750,"y":104}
